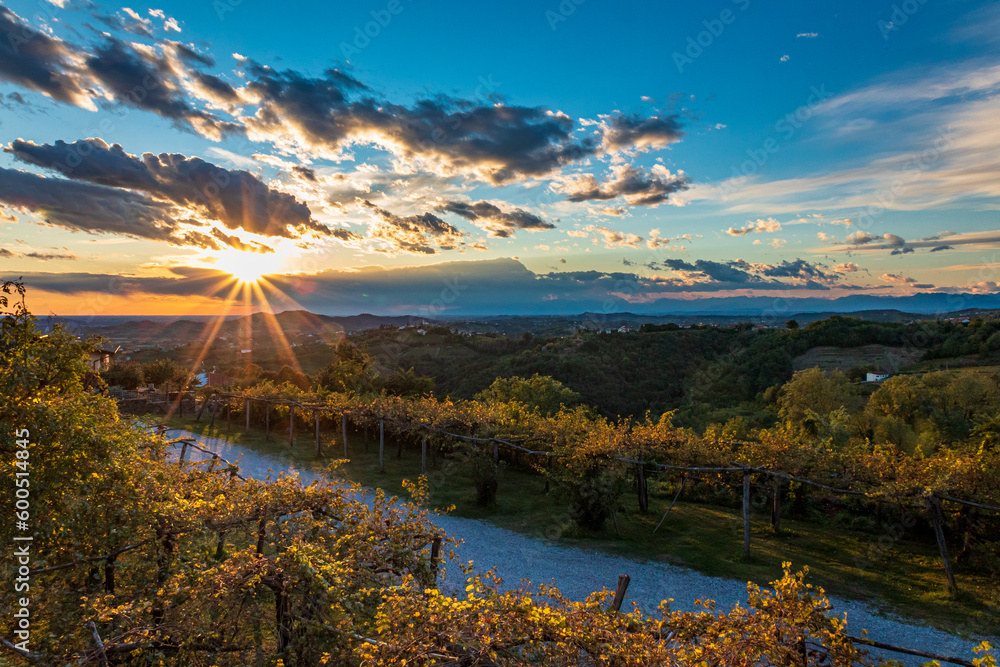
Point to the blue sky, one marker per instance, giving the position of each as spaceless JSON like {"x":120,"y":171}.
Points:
{"x":611,"y":153}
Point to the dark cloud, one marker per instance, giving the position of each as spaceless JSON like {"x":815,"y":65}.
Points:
{"x":34,"y":60}
{"x":637,"y":187}
{"x":191,"y":56}
{"x":726,"y":272}
{"x":902,"y":251}
{"x":633,"y":131}
{"x":498,"y":223}
{"x":499,"y":143}
{"x":939,"y":248}
{"x":89,"y":208}
{"x":304,"y":172}
{"x":413,"y":233}
{"x":236,"y":198}
{"x":798,"y":268}
{"x":150,"y":82}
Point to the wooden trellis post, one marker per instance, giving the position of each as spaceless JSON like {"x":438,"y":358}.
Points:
{"x":201,"y":408}
{"x":291,"y":425}
{"x":267,"y":422}
{"x":496,"y":453}
{"x":343,"y":430}
{"x":229,"y":414}
{"x":746,"y":514}
{"x":435,"y":553}
{"x":623,"y":581}
{"x":180,"y":459}
{"x":423,"y":455}
{"x":642,"y":488}
{"x":934,"y":507}
{"x":246,"y":429}
{"x":381,"y":445}
{"x":215,"y":410}
{"x":319,"y":444}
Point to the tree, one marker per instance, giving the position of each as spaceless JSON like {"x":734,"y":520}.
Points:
{"x":539,"y":392}
{"x":806,"y":401}
{"x":163,"y":371}
{"x":127,"y":375}
{"x":791,"y":324}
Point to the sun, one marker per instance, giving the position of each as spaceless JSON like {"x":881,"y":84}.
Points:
{"x":246,"y":267}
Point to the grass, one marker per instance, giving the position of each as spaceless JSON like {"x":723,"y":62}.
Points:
{"x":906,"y":579}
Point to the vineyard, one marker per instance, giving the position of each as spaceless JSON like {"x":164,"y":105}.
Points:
{"x":597,"y":459}
{"x":139,"y":559}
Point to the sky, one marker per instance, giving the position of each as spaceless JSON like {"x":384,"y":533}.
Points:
{"x":399,"y":156}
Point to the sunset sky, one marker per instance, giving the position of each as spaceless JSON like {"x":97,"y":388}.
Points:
{"x":507,"y":157}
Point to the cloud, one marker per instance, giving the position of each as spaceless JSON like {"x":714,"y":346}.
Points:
{"x":149,"y":81}
{"x":236,"y":198}
{"x":139,"y":76}
{"x":761,"y":225}
{"x":495,"y":142}
{"x":635,"y":186}
{"x":498,"y":223}
{"x":90,"y":208}
{"x":896,"y":279}
{"x":624,"y":132}
{"x":868,"y":242}
{"x":615,"y":239}
{"x":36,"y":61}
{"x":946,"y":151}
{"x":808,"y":35}
{"x":939,"y":248}
{"x":417,"y":234}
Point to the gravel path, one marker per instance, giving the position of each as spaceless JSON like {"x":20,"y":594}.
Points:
{"x":578,"y":572}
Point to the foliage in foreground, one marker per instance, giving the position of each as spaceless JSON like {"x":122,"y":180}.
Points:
{"x":192,"y":564}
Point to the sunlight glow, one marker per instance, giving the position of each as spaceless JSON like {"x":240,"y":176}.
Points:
{"x":247,"y":267}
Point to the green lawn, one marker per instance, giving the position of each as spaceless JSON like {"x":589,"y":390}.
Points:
{"x":906,"y":578}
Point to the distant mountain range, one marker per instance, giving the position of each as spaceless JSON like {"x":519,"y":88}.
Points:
{"x":925,"y":304}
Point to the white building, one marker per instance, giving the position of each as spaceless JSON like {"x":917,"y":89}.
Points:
{"x":876,"y":377}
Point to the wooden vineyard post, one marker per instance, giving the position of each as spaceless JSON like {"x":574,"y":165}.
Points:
{"x":746,"y":514}
{"x":399,"y":447}
{"x":343,"y":430}
{"x":684,"y":482}
{"x":261,"y":534}
{"x":180,"y":459}
{"x":291,"y":425}
{"x":641,"y":488}
{"x":109,"y":575}
{"x":215,"y":410}
{"x":776,"y":507}
{"x":623,"y":581}
{"x":180,"y":403}
{"x":496,"y":453}
{"x":197,"y":417}
{"x":267,"y":422}
{"x":246,"y":429}
{"x":423,"y":455}
{"x":934,"y":506}
{"x":319,"y":444}
{"x":381,"y":445}
{"x":229,"y":414}
{"x":435,"y":557}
